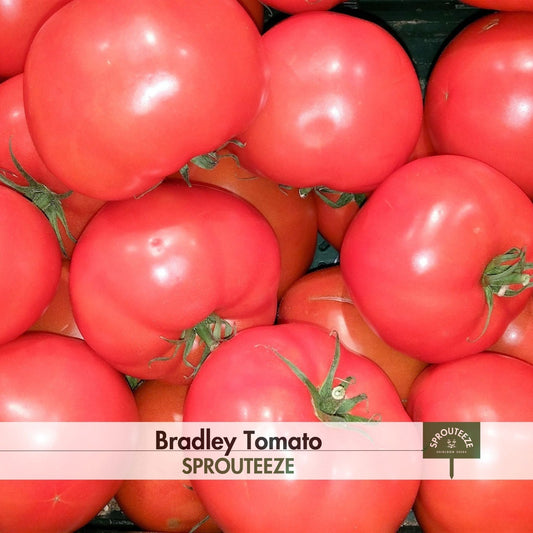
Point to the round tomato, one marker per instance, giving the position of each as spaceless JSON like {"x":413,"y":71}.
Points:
{"x":502,"y":5}
{"x":517,"y":339}
{"x":322,"y":298}
{"x":323,"y":120}
{"x":30,"y":267}
{"x":479,"y":97}
{"x":162,"y":505}
{"x":255,"y":385}
{"x":150,"y":275}
{"x":51,"y":378}
{"x":436,"y":262}
{"x":120,"y":94}
{"x":21,"y":19}
{"x":485,"y":387}
{"x":293,"y":218}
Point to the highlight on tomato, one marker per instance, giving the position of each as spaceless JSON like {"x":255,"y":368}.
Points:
{"x":435,"y":261}
{"x":484,"y":387}
{"x":259,"y":376}
{"x":321,"y":297}
{"x":120,"y":94}
{"x":151,"y":276}
{"x":163,"y":505}
{"x":45,"y":377}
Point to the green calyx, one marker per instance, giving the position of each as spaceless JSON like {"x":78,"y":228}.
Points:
{"x":42,"y":197}
{"x":506,"y":275}
{"x":211,"y":331}
{"x":329,"y":400}
{"x":344,"y":197}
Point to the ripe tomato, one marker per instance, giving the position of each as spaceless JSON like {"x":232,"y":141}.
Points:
{"x":147,"y":270}
{"x":161,"y":505}
{"x":322,"y":298}
{"x":47,"y":377}
{"x":58,"y":317}
{"x":502,"y":5}
{"x":479,"y":97}
{"x":298,"y":6}
{"x":517,"y":339}
{"x":21,"y":19}
{"x":323,"y":120}
{"x":120,"y":94}
{"x":293,"y":218}
{"x":256,"y":10}
{"x":482,"y":387}
{"x":423,"y":259}
{"x":31,"y":263}
{"x":253,"y":385}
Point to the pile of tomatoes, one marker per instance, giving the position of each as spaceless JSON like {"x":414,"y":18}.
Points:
{"x":166,"y":168}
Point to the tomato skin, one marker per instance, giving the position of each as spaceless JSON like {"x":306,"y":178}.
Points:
{"x":256,"y":10}
{"x":162,"y":505}
{"x":276,"y":394}
{"x":502,"y":5}
{"x":21,"y":19}
{"x":154,"y":88}
{"x":322,"y":298}
{"x":173,"y":257}
{"x":485,"y":387}
{"x":300,"y":6}
{"x":31,"y":263}
{"x":486,"y":69}
{"x":414,"y":256}
{"x":293,"y":218}
{"x":55,"y":378}
{"x":321,"y":124}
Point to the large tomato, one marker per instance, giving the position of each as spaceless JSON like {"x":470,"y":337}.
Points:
{"x":51,"y":378}
{"x":322,"y":298}
{"x":120,"y":94}
{"x":253,"y":385}
{"x":162,"y":505}
{"x":147,"y":271}
{"x":344,"y":105}
{"x":30,"y":266}
{"x":482,"y":387}
{"x":293,"y":218}
{"x":434,"y":257}
{"x":479,"y":97}
{"x":20,"y":20}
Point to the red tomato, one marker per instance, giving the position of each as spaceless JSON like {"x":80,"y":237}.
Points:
{"x":503,"y":5}
{"x":31,"y":264}
{"x":322,"y":298}
{"x":517,"y":339}
{"x":253,"y":385}
{"x":293,"y":218}
{"x":120,"y":94}
{"x":479,"y":98}
{"x":21,"y":19}
{"x":298,"y":6}
{"x":418,"y":257}
{"x":333,"y":117}
{"x":161,"y":505}
{"x":58,"y":317}
{"x":256,"y":10}
{"x":479,"y":388}
{"x":145,"y":270}
{"x":46,"y":377}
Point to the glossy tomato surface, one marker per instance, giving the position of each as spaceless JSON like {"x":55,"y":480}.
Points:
{"x":162,"y":505}
{"x":254,"y":385}
{"x":145,"y":270}
{"x":292,"y":217}
{"x":417,"y":257}
{"x":344,"y":106}
{"x":485,"y":387}
{"x":479,"y":98}
{"x":321,"y":297}
{"x":52,"y":378}
{"x":120,"y":94}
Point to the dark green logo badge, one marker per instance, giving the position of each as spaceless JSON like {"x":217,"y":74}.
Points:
{"x":452,"y":440}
